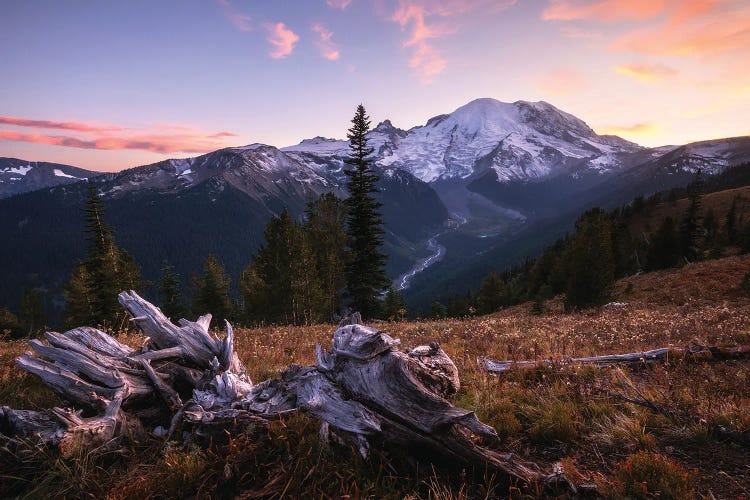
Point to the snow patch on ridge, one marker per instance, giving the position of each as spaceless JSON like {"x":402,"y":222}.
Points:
{"x":60,"y":173}
{"x":17,"y":170}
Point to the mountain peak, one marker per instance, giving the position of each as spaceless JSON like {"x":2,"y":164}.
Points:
{"x":384,"y":126}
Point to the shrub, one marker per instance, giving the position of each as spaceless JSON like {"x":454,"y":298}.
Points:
{"x":500,"y":415}
{"x":556,"y":421}
{"x":647,"y":475}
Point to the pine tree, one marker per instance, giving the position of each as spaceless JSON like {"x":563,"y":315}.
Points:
{"x":281,"y":285}
{"x":493,"y":294}
{"x":103,"y":262}
{"x":254,"y":293}
{"x":10,"y":327}
{"x":730,"y":224}
{"x":591,"y":263}
{"x":365,"y":271}
{"x":170,"y":296}
{"x":79,"y":298}
{"x":211,"y":291}
{"x":664,"y":246}
{"x":108,"y":270}
{"x":325,"y":230}
{"x":394,"y":307}
{"x":31,"y":311}
{"x":691,"y":232}
{"x":438,"y":310}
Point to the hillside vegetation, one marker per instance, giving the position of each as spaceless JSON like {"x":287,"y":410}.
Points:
{"x":576,"y":416}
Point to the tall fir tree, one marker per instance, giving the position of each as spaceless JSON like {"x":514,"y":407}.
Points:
{"x":91,"y":293}
{"x":211,"y":291}
{"x":325,"y":230}
{"x":691,"y":231}
{"x":103,"y":263}
{"x":663,"y":250}
{"x":170,"y":294}
{"x":730,"y":224}
{"x":281,"y":285}
{"x":366,"y":278}
{"x":591,"y":261}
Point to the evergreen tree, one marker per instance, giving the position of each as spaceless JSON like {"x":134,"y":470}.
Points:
{"x":10,"y":327}
{"x":103,"y":263}
{"x":394,"y":307}
{"x":459,"y":306}
{"x":365,"y":271}
{"x":94,"y":286}
{"x":282,"y":283}
{"x":31,"y":311}
{"x":438,"y":310}
{"x":591,"y":266}
{"x":79,"y":298}
{"x":664,"y":246}
{"x":691,"y":232}
{"x":211,"y":291}
{"x":730,"y":224}
{"x":325,"y":229}
{"x":254,"y":293}
{"x":493,"y":294}
{"x":170,"y":295}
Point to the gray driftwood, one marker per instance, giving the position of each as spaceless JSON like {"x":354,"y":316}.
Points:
{"x":187,"y":382}
{"x":694,"y":351}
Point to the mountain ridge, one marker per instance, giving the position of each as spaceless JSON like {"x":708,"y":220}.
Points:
{"x":488,"y":175}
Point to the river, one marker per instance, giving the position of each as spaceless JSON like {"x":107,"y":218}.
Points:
{"x":437,"y":252}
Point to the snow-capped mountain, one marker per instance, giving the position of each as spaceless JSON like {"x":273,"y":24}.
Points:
{"x":519,"y":141}
{"x":477,"y":178}
{"x":20,"y":176}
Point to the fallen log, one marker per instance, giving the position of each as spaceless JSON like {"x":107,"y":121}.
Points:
{"x":693,"y":351}
{"x":365,"y":390}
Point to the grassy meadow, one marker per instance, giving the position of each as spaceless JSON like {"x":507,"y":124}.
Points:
{"x":577,"y":416}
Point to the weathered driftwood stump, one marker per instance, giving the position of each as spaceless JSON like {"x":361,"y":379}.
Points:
{"x":187,"y":382}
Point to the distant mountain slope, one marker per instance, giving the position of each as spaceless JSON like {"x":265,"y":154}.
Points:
{"x":21,"y":176}
{"x":182,"y":210}
{"x":491,"y":182}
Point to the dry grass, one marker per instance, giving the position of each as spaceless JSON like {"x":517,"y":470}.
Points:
{"x":719,"y":202}
{"x":543,"y":415}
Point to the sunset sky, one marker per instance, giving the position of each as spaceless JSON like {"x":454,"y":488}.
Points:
{"x":107,"y":85}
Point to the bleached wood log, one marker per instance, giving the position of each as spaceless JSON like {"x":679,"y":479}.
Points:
{"x":694,"y":351}
{"x":364,"y":390}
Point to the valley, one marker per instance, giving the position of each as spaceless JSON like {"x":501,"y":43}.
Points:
{"x":514,"y":175}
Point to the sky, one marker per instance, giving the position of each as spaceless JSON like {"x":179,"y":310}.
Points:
{"x":107,"y":85}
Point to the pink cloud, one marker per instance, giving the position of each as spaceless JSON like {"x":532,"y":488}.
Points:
{"x":647,"y":73}
{"x":325,"y":43}
{"x":338,"y":4}
{"x":76,"y":126}
{"x":282,"y":40}
{"x":693,"y":28}
{"x":239,"y":20}
{"x":603,"y":10}
{"x":422,"y":20}
{"x":561,"y":82}
{"x":676,"y":27}
{"x":153,"y":143}
{"x":159,"y":139}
